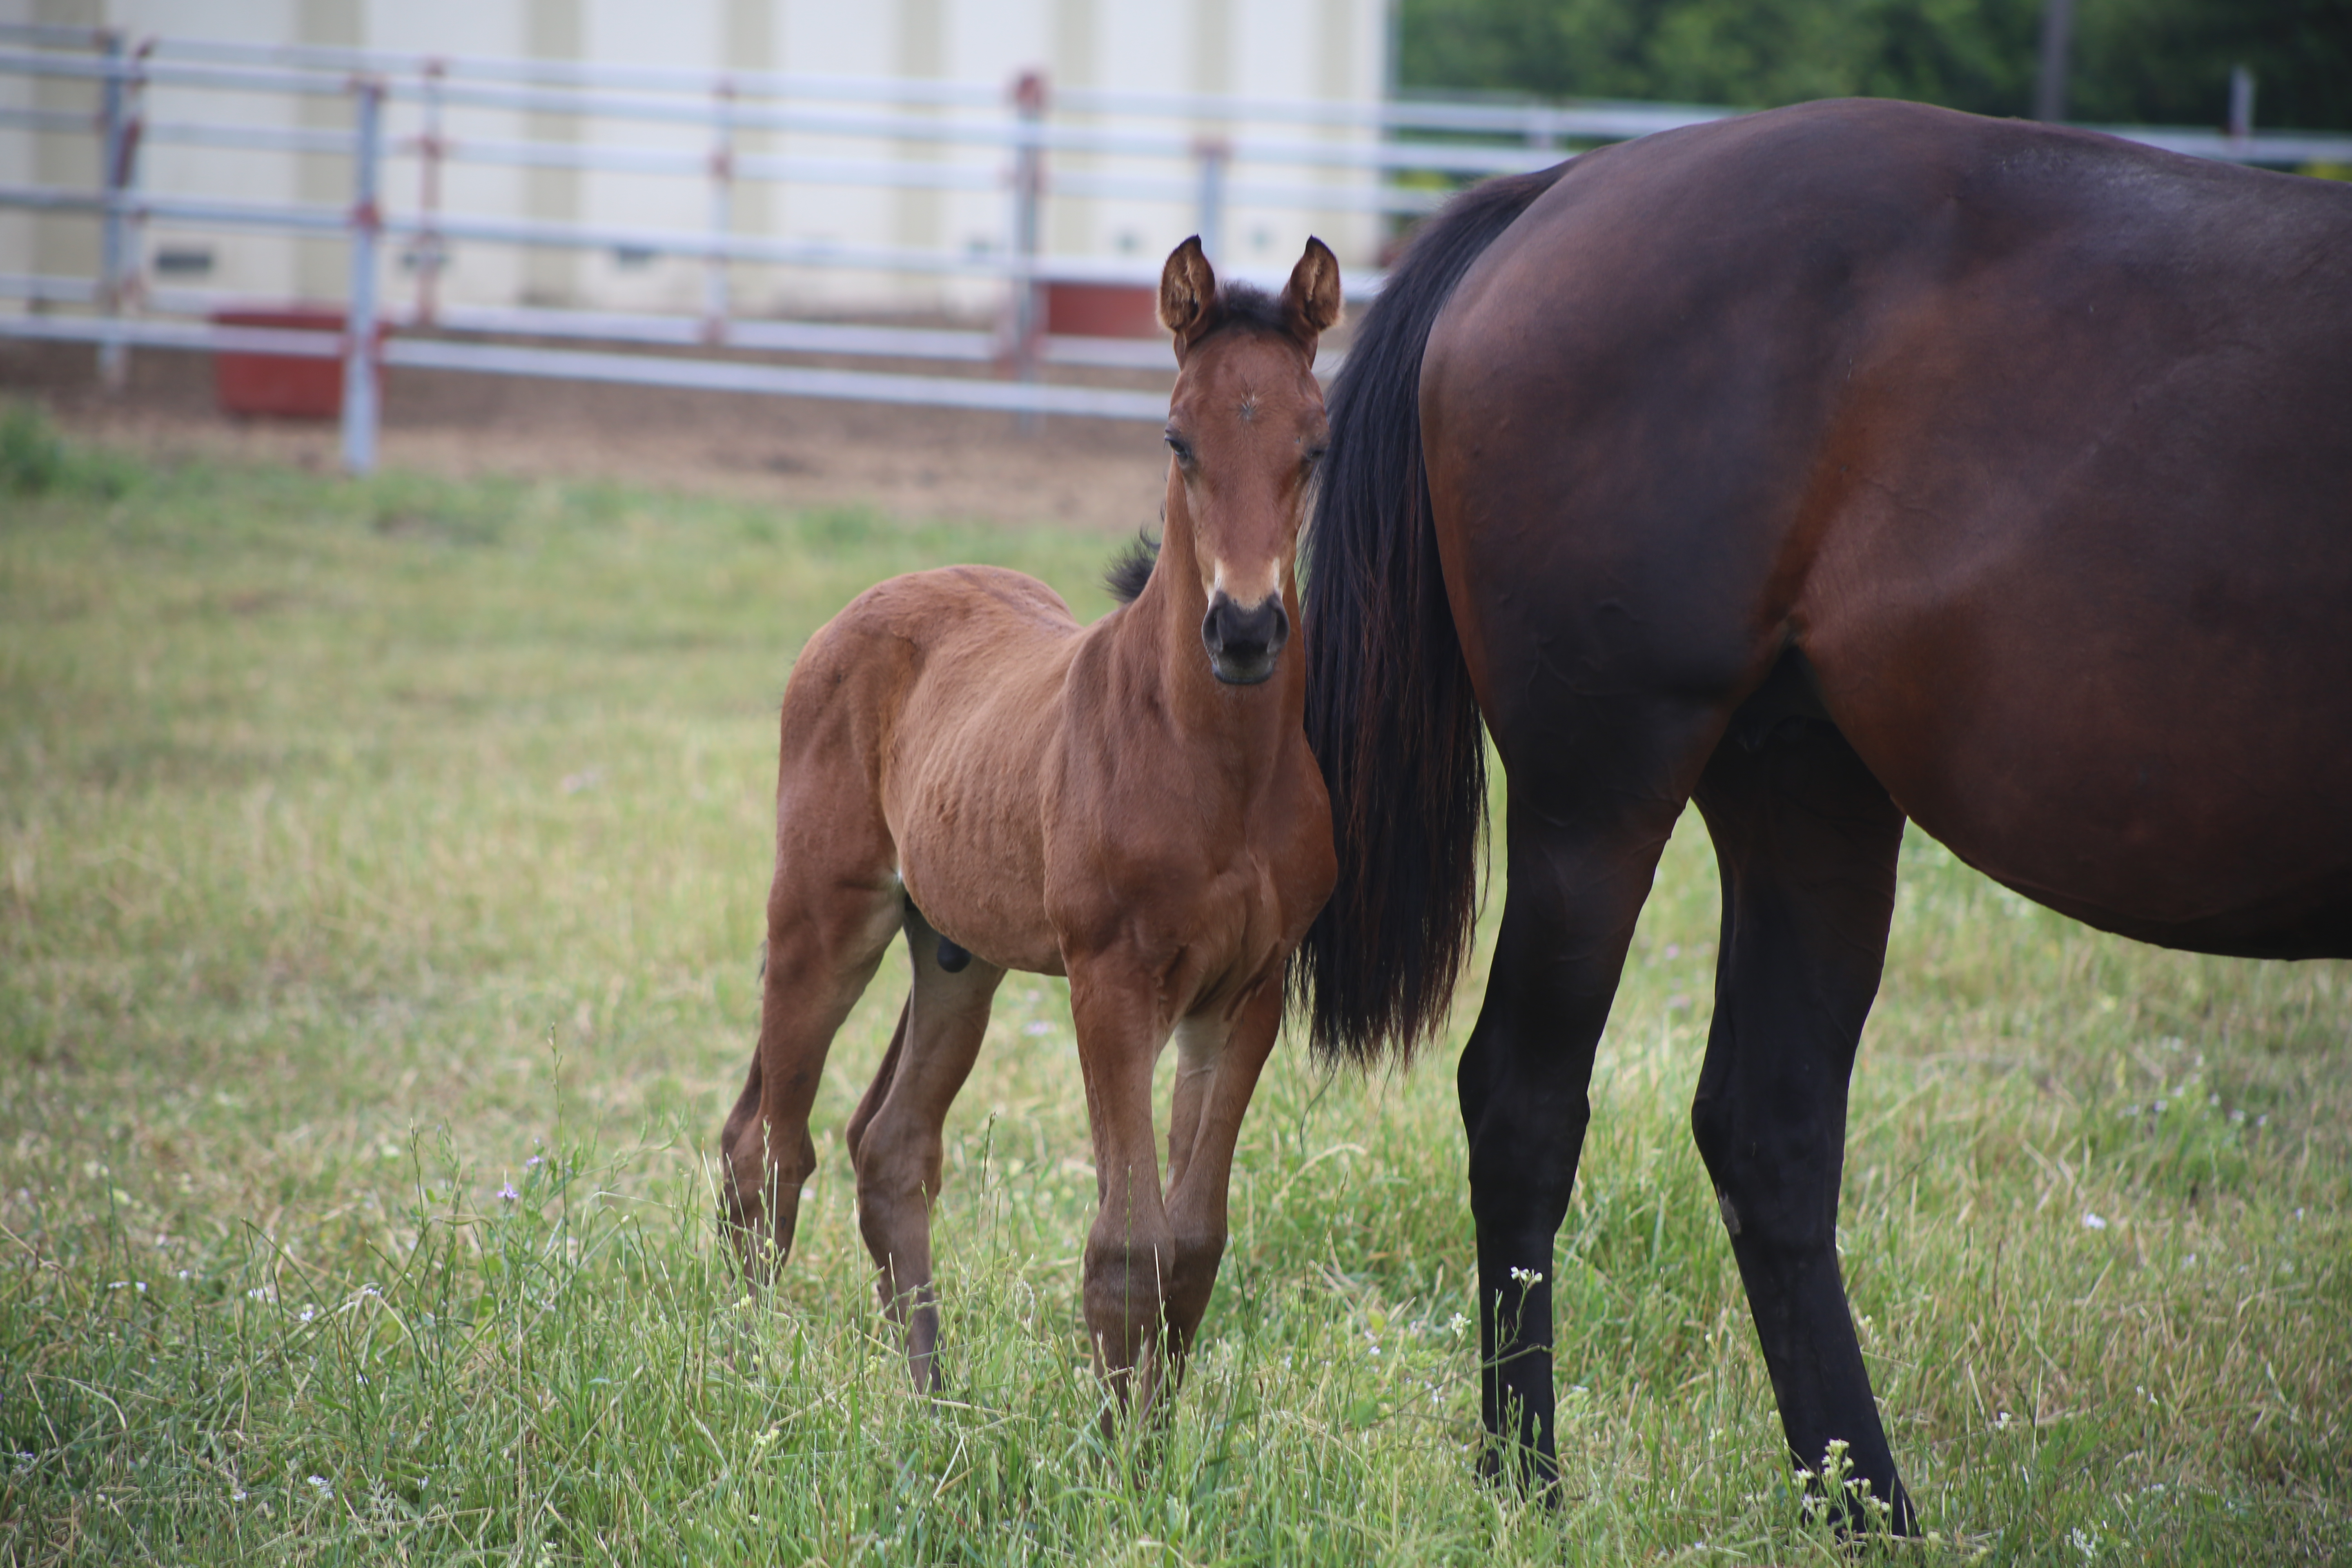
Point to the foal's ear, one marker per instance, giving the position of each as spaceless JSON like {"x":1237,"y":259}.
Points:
{"x":1188,"y":294}
{"x":1310,"y":301}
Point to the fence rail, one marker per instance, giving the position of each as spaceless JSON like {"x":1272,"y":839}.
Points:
{"x":1399,"y":157}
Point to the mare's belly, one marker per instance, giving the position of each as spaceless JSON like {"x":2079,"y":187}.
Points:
{"x":2089,"y":740}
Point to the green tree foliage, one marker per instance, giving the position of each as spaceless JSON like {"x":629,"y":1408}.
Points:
{"x":2147,"y":62}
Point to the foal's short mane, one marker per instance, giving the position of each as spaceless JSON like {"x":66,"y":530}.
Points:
{"x":1131,"y":569}
{"x":1246,"y":305}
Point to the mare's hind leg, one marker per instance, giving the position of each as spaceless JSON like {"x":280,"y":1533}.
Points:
{"x":897,"y":1144}
{"x":831,"y":909}
{"x":1580,"y":862}
{"x":1806,"y":839}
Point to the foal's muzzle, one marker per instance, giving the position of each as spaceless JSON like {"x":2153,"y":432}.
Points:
{"x":1243,"y":640}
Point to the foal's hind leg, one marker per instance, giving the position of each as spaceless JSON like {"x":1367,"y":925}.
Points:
{"x":853,"y":1131}
{"x":895,"y":1135}
{"x":1806,"y":839}
{"x":831,"y":909}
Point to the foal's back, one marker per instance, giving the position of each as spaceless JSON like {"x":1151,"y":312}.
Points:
{"x":919,"y":725}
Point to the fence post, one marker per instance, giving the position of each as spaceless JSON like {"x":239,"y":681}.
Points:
{"x":2049,"y":80}
{"x":1216,"y":156}
{"x":429,"y":151}
{"x":360,"y":412}
{"x":716,"y":305}
{"x":1028,"y":196}
{"x":113,"y":354}
{"x":2242,"y":103}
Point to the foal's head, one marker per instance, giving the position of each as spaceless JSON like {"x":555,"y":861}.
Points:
{"x":1246,"y":426}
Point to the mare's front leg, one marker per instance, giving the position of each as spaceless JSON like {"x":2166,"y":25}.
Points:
{"x":832,"y":910}
{"x":895,"y":1138}
{"x":1130,"y":1249}
{"x":1807,"y":840}
{"x":1217,"y":1069}
{"x":1576,"y":889}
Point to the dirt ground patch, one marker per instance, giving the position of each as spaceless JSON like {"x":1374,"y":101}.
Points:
{"x":1094,"y":474}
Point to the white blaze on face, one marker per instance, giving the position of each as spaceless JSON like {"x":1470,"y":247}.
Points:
{"x":1248,"y":589}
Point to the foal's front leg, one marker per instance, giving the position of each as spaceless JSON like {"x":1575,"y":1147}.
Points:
{"x":1217,"y":1069}
{"x":1130,"y":1250}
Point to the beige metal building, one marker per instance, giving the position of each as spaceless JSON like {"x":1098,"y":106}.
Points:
{"x":1110,"y":65}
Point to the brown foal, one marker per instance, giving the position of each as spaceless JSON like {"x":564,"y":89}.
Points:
{"x":1130,"y":803}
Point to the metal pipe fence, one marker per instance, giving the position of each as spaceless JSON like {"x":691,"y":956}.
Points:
{"x":1397,"y":158}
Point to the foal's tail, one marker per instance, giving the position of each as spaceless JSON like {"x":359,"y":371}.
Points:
{"x":1390,"y":711}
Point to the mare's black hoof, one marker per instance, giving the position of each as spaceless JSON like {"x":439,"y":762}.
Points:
{"x":1532,"y":1474}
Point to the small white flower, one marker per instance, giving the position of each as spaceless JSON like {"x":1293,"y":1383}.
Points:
{"x":309,"y":1313}
{"x":325,"y":1491}
{"x":1455,"y":1324}
{"x":1528,"y":1277}
{"x":2093,"y":1222}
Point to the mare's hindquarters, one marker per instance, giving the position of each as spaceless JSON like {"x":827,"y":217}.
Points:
{"x":2025,"y":483}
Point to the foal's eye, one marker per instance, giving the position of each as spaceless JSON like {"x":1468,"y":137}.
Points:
{"x":1313,"y":454}
{"x":1181,"y":446}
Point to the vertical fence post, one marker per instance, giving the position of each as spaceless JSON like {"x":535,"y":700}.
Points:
{"x":1216,"y":156}
{"x":716,"y":305}
{"x":429,"y":151}
{"x":1028,"y":196}
{"x":360,"y":412}
{"x":113,"y":354}
{"x":2242,"y":103}
{"x":2057,"y":40}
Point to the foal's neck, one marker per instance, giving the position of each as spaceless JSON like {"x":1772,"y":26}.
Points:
{"x":1161,"y":638}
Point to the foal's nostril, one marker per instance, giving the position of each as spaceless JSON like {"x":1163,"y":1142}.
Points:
{"x":1243,"y":641}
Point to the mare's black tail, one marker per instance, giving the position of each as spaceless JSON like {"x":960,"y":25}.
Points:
{"x":1390,"y":711}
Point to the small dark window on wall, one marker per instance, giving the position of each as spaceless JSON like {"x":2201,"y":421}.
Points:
{"x":184,"y":261}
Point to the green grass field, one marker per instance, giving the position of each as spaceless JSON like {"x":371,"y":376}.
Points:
{"x":381,"y":875}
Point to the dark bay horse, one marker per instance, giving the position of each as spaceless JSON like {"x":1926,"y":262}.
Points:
{"x":1131,"y":803}
{"x":1831,"y":467}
